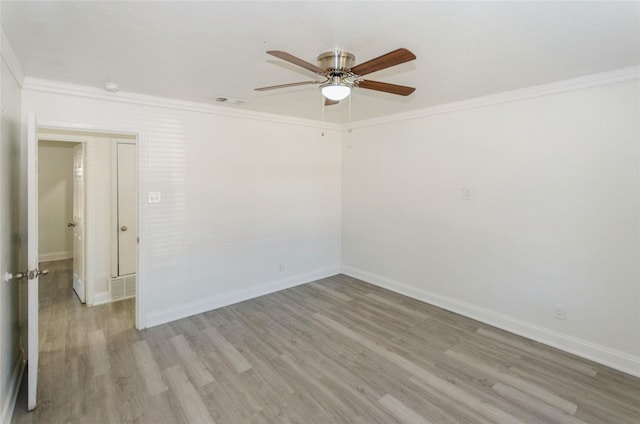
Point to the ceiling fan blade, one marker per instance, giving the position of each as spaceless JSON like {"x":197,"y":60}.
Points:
{"x":296,"y":61}
{"x":329,"y":102}
{"x":401,"y":90}
{"x":292,"y":84}
{"x":393,"y":58}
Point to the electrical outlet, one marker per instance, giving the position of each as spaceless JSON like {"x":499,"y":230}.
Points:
{"x":466,"y":193}
{"x":559,"y":311}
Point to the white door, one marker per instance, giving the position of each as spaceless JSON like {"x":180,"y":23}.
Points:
{"x":32,"y":260}
{"x":127,"y":209}
{"x":78,"y":222}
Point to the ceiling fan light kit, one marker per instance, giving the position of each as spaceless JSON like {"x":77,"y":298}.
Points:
{"x":336,"y":89}
{"x":337,"y":67}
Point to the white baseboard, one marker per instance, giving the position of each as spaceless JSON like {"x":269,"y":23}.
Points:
{"x":54,"y":256}
{"x":9,"y":402}
{"x":612,"y":358}
{"x":204,"y":305}
{"x":100,"y":298}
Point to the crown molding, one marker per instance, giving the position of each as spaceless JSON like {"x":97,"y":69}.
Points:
{"x":10,"y":58}
{"x":48,"y":86}
{"x":594,"y":80}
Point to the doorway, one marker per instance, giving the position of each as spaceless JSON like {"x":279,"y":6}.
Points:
{"x":94,"y":170}
{"x":61,"y":192}
{"x":100,"y":211}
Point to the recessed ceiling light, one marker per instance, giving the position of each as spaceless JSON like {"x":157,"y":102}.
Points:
{"x":112,"y":87}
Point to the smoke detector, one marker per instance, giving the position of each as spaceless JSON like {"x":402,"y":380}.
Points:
{"x":112,"y":87}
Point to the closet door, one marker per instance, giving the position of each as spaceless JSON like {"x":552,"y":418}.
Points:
{"x":127,"y":208}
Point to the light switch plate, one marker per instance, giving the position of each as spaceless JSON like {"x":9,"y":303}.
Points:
{"x":154,"y":197}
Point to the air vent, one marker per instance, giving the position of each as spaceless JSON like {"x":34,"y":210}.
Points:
{"x":232,"y":100}
{"x":122,"y":287}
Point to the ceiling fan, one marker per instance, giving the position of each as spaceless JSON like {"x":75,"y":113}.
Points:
{"x":340,"y":74}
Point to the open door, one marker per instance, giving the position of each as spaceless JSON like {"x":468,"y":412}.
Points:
{"x":78,"y":223}
{"x":32,"y":261}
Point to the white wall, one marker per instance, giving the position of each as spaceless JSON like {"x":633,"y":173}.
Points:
{"x":55,"y":200}
{"x":240,"y":196}
{"x":10,"y":130}
{"x":553,"y":218}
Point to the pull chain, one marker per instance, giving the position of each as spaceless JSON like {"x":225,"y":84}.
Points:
{"x":322,"y":106}
{"x":350,"y":111}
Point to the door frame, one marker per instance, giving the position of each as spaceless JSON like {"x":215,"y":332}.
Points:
{"x":135,"y":134}
{"x":33,"y":263}
{"x":82,"y":206}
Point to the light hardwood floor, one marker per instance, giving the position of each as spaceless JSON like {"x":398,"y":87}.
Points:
{"x":333,"y":351}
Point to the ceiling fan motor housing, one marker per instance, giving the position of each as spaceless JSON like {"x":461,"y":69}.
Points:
{"x":336,"y":60}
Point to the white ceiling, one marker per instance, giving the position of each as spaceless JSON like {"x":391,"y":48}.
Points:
{"x":199,"y":50}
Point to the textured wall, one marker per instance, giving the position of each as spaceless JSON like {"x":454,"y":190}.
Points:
{"x":240,"y":197}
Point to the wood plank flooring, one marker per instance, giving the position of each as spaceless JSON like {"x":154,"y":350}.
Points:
{"x":334,"y":351}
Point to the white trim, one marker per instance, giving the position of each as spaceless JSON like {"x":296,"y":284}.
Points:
{"x":225,"y":299}
{"x":43,"y":135}
{"x":100,"y":298}
{"x":32,"y":259}
{"x":141,"y":314}
{"x":11,"y":396}
{"x":594,"y":80}
{"x":10,"y":58}
{"x":604,"y":78}
{"x":55,"y":256}
{"x":615,"y":359}
{"x":36,"y":84}
{"x":114,"y":207}
{"x":83,"y":286}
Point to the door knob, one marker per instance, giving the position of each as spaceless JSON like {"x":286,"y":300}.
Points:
{"x":71,"y":224}
{"x":123,"y":228}
{"x":20,"y":275}
{"x":30,"y":275}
